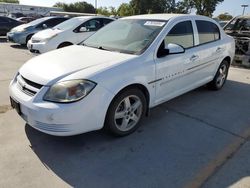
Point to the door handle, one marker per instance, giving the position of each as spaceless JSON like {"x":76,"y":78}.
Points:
{"x":219,"y":49}
{"x":194,"y":58}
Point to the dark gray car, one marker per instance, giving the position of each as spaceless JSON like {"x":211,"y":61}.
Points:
{"x":6,"y":24}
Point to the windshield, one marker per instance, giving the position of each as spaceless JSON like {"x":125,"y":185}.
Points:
{"x":35,"y":22}
{"x":131,"y":36}
{"x":242,"y":24}
{"x":73,"y":22}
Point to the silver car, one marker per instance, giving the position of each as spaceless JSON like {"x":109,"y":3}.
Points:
{"x":23,"y":33}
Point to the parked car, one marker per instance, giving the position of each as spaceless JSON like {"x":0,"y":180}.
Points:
{"x":25,"y":19}
{"x":223,"y":23}
{"x":6,"y":24}
{"x":120,"y":72}
{"x":72,"y":31}
{"x":239,"y":28}
{"x":23,"y":33}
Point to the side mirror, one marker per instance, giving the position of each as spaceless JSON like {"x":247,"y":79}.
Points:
{"x":83,"y":29}
{"x":169,"y":49}
{"x":45,"y":26}
{"x":175,"y":48}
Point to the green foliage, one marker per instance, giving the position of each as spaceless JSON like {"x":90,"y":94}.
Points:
{"x":9,"y":1}
{"x":125,"y":10}
{"x":148,"y":6}
{"x":107,"y":11}
{"x":82,"y":7}
{"x":225,"y":16}
{"x":204,"y":7}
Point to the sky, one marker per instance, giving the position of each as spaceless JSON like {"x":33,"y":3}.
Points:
{"x":233,"y":7}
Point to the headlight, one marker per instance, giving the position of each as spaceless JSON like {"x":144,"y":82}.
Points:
{"x":44,"y":39}
{"x":69,"y":91}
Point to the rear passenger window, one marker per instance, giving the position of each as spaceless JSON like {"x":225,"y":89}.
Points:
{"x":54,"y":21}
{"x":208,"y":31}
{"x":3,"y":20}
{"x":182,"y":34}
{"x":106,"y":21}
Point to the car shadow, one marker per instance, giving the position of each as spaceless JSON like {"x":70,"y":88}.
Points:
{"x":18,"y":46}
{"x":172,"y":143}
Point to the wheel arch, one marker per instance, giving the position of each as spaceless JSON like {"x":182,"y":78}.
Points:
{"x":228,"y":59}
{"x":29,"y":37}
{"x":63,"y":43}
{"x":139,"y":86}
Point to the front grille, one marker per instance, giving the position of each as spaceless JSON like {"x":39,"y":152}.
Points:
{"x":38,"y":86}
{"x":28,"y":87}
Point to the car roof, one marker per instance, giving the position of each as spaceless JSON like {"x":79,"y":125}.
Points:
{"x":89,"y":17}
{"x":163,"y":16}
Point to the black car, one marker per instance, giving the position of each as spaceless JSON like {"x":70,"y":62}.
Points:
{"x":6,"y":24}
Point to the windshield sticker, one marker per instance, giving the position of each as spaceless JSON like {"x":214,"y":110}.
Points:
{"x":154,"y":23}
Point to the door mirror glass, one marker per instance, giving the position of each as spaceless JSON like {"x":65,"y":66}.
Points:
{"x":83,"y":29}
{"x":174,"y":48}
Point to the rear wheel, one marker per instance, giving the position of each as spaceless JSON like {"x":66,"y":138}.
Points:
{"x":125,"y":112}
{"x":220,"y":77}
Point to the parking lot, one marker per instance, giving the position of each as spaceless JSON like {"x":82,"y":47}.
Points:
{"x":199,"y":139}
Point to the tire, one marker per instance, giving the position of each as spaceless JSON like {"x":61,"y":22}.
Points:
{"x":221,"y":76}
{"x":125,"y":112}
{"x":62,"y":45}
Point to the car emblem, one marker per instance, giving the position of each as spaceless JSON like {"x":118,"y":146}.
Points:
{"x":24,"y":86}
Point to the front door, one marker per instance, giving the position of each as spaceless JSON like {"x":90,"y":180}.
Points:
{"x":90,"y":27}
{"x":171,"y":69}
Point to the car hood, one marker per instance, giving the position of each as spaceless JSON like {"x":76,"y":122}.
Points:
{"x":47,"y":33}
{"x":47,"y":68}
{"x":20,"y":27}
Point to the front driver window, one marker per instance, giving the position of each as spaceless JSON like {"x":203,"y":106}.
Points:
{"x":181,"y":34}
{"x":92,"y":25}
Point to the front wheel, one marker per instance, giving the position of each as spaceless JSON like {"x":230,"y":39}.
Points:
{"x":220,"y":77}
{"x":125,"y":112}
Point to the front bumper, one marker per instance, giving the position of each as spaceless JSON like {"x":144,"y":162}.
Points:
{"x":19,"y":38}
{"x":58,"y":119}
{"x":39,"y":48}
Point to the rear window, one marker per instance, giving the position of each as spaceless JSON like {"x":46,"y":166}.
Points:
{"x":208,"y":31}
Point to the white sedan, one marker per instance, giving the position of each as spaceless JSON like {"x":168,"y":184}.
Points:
{"x":120,"y":72}
{"x":72,"y":31}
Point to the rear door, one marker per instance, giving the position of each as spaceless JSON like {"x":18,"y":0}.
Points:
{"x":209,"y":51}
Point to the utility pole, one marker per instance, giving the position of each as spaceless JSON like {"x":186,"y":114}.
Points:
{"x":96,"y":7}
{"x":244,"y":7}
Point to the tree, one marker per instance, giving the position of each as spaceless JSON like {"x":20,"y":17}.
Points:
{"x":125,"y":9}
{"x":107,"y":11}
{"x":103,"y":11}
{"x":225,"y":16}
{"x":160,"y":6}
{"x":113,"y":11}
{"x":204,"y":7}
{"x":9,"y":1}
{"x":148,"y":6}
{"x":82,"y":7}
{"x":183,"y":7}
